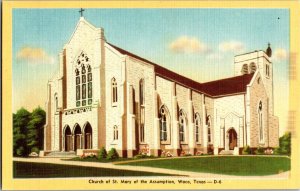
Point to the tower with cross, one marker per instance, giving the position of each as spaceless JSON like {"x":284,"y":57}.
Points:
{"x":81,"y":12}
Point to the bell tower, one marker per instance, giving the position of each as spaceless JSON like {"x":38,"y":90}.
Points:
{"x":260,"y":61}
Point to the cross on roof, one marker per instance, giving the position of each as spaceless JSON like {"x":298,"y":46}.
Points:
{"x":81,"y":11}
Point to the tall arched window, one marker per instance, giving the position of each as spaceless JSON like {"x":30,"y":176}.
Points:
{"x":142,"y":110}
{"x":252,"y":67}
{"x":114,"y":90}
{"x":77,"y":88}
{"x":260,"y":122}
{"x":208,"y":123}
{"x":182,"y":126}
{"x":267,"y":70}
{"x":116,"y":133}
{"x":83,"y":79}
{"x":164,"y":124}
{"x":197,"y":127}
{"x":244,"y":69}
{"x":56,"y":101}
{"x":90,"y":85}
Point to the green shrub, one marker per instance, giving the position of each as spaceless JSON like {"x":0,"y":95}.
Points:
{"x":246,"y":150}
{"x":140,"y":156}
{"x":260,"y":151}
{"x":21,"y":151}
{"x":102,"y":153}
{"x":112,"y":154}
{"x":284,"y":145}
{"x":35,"y":149}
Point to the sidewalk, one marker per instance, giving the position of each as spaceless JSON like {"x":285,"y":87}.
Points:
{"x":283,"y":175}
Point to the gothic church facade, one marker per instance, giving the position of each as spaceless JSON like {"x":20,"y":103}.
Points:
{"x":105,"y":96}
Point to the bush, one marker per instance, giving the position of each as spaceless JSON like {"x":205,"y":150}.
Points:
{"x":140,"y":156}
{"x":102,"y":153}
{"x":246,"y":150}
{"x":21,"y":151}
{"x":35,"y":149}
{"x":112,"y":154}
{"x":260,"y":151}
{"x":284,"y":145}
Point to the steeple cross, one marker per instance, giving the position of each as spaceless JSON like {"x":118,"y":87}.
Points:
{"x":81,"y":11}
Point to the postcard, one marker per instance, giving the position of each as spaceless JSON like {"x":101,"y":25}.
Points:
{"x":150,"y":95}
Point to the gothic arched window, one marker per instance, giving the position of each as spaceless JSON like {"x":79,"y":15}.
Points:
{"x":114,"y":90}
{"x":197,"y":127}
{"x":90,"y":85}
{"x":142,"y":110}
{"x":182,"y":126}
{"x":252,"y":67}
{"x":164,"y":124}
{"x":83,"y":80}
{"x":116,"y":133}
{"x":56,"y":101}
{"x":244,"y":69}
{"x":260,"y":122}
{"x":208,"y":122}
{"x":267,"y":70}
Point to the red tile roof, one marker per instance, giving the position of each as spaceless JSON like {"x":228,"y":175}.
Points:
{"x":218,"y":88}
{"x":233,"y":85}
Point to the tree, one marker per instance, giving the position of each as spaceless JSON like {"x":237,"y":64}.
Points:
{"x":112,"y":154}
{"x":102,"y":153}
{"x":28,"y":131}
{"x":20,"y":123}
{"x":35,"y":134}
{"x":284,"y":144}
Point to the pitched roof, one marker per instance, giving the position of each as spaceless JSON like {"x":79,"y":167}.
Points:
{"x":218,"y":88}
{"x":233,"y":85}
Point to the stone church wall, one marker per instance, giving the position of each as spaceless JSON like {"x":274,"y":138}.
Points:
{"x":209,"y":107}
{"x":164,"y":90}
{"x":274,"y":131}
{"x":197,"y":107}
{"x":231,"y":110}
{"x":137,"y":71}
{"x":113,"y":69}
{"x":258,"y":93}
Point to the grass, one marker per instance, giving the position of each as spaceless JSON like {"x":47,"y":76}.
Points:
{"x":231,"y":165}
{"x":94,"y":159}
{"x":44,"y":170}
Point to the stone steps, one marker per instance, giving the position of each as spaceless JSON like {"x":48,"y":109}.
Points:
{"x":228,"y":152}
{"x":60,"y":154}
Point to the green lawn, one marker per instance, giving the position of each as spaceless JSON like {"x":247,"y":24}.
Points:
{"x":44,"y":170}
{"x":94,"y":159}
{"x":231,"y":165}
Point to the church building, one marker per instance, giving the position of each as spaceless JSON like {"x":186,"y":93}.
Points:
{"x":105,"y":96}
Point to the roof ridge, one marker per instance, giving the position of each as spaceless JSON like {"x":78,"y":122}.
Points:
{"x":229,"y":78}
{"x":216,"y":88}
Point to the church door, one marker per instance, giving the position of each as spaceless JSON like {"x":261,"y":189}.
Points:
{"x":88,"y":136}
{"x":77,"y":138}
{"x":232,"y":139}
{"x":68,"y":139}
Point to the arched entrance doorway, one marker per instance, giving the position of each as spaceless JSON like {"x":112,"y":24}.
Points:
{"x":232,"y":135}
{"x":68,"y":139}
{"x":77,"y":137}
{"x":88,"y":136}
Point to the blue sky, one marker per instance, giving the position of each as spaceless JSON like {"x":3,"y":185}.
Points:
{"x":160,"y":35}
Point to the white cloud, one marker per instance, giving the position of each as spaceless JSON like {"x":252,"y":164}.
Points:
{"x":34,"y":55}
{"x":280,"y":54}
{"x":186,"y":44}
{"x":231,"y":46}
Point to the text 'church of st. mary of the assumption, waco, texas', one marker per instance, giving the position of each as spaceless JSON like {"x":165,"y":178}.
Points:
{"x":105,"y":96}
